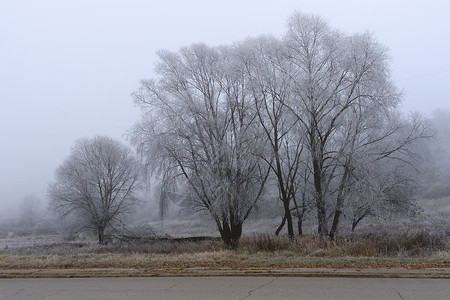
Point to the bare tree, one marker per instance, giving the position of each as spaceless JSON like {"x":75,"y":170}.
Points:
{"x":31,"y":210}
{"x":380,"y":189}
{"x":199,"y":125}
{"x":265,"y":63}
{"x":96,"y":185}
{"x":436,"y":166}
{"x":348,"y":107}
{"x":317,"y":107}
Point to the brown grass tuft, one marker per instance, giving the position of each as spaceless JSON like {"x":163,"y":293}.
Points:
{"x":379,"y":245}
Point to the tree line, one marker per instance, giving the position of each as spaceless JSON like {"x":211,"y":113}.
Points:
{"x":315,"y":113}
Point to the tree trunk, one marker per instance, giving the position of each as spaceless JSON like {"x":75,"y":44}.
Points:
{"x":288,"y":216}
{"x":236,"y":232}
{"x":339,"y":204}
{"x":300,"y":214}
{"x":321,"y":213}
{"x":356,"y":220}
{"x":101,"y":236}
{"x":354,"y":224}
{"x":299,"y":225}
{"x":283,"y":221}
{"x":334,"y":227}
{"x":231,"y":234}
{"x":284,"y":195}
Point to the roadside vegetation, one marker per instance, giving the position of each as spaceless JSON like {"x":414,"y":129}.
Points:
{"x":268,"y":251}
{"x":372,"y":245}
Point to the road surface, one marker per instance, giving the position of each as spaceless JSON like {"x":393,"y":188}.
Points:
{"x":224,"y":288}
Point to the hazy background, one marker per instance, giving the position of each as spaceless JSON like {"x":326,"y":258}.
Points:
{"x":67,"y":68}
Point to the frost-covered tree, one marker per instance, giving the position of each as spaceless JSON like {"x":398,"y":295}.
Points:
{"x":199,"y":127}
{"x":266,"y":64}
{"x":317,"y":110}
{"x":31,"y":210}
{"x":380,"y":189}
{"x":436,"y":152}
{"x":345,"y":100}
{"x":96,"y":185}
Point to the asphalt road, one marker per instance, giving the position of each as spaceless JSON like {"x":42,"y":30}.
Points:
{"x":225,"y":288}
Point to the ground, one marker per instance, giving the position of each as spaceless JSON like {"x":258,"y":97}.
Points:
{"x":420,"y":250}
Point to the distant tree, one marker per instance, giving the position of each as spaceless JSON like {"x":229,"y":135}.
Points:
{"x":380,"y":188}
{"x":96,"y":185}
{"x":437,"y":154}
{"x":30,"y":210}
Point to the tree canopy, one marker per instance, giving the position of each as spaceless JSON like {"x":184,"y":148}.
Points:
{"x":96,"y":184}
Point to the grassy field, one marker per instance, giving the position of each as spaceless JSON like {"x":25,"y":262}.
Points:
{"x":420,"y":243}
{"x":216,"y":260}
{"x":258,"y":251}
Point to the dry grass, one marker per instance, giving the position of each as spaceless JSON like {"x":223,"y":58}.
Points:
{"x":380,"y":245}
{"x":372,"y":245}
{"x":267,"y":251}
{"x":215,"y":260}
{"x":165,"y":246}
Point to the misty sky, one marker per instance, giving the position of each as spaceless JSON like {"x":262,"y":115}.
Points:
{"x":67,"y":68}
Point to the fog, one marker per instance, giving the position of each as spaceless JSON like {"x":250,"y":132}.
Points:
{"x":67,"y":68}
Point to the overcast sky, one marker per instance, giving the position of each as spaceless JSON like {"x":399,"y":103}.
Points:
{"x":67,"y":68}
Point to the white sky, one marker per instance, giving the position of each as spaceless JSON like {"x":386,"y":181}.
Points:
{"x":67,"y":68}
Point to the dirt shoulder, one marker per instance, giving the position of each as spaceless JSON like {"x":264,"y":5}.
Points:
{"x":199,"y":271}
{"x":221,"y":263}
